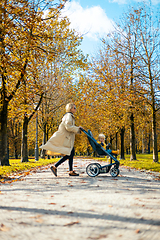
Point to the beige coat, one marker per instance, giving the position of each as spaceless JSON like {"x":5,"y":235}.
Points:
{"x":62,"y":141}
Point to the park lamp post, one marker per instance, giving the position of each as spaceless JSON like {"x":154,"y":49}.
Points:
{"x":36,"y":146}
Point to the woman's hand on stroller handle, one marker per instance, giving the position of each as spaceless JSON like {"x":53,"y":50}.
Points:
{"x":81,"y":128}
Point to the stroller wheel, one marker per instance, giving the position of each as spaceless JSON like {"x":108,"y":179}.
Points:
{"x":114,"y":172}
{"x":92,"y":169}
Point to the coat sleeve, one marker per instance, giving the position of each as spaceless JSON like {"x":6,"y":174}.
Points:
{"x":68,"y":123}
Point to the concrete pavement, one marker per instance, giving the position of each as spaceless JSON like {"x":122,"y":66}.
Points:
{"x":65,"y":208}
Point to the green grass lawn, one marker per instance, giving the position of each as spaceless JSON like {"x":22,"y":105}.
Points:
{"x":144,"y":161}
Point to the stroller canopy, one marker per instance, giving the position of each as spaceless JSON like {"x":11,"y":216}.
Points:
{"x":96,"y":146}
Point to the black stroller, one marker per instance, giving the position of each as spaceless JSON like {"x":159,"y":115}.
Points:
{"x":93,"y":169}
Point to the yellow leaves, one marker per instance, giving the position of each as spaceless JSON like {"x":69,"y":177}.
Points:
{"x":19,"y":170}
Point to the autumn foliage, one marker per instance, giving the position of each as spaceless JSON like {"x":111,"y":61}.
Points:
{"x":42,"y":68}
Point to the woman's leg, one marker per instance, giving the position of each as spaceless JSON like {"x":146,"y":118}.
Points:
{"x":63,"y":159}
{"x":71,"y":160}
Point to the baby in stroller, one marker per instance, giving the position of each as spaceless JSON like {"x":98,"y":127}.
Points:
{"x":101,"y":141}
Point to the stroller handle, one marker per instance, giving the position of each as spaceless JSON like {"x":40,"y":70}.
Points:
{"x":82,"y":129}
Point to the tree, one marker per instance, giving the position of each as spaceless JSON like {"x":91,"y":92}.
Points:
{"x":20,"y":23}
{"x":149,"y":36}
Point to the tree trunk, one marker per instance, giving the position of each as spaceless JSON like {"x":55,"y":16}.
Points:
{"x":24,"y":147}
{"x":4,"y":158}
{"x":143,"y":142}
{"x":154,"y":137}
{"x":43,"y":151}
{"x":110,"y":140}
{"x":15,"y":150}
{"x":122,"y":143}
{"x":48,"y":156}
{"x":149,"y":144}
{"x":116,"y":141}
{"x":132,"y":139}
{"x":16,"y":140}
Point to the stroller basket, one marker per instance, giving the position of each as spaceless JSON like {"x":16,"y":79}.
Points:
{"x":94,"y":169}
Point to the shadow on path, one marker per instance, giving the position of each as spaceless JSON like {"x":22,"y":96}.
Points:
{"x":110,"y":217}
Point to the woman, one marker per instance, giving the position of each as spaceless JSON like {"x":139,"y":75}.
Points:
{"x":62,"y":141}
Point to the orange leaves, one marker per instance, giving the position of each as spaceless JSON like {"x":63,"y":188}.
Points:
{"x":71,"y":223}
{"x":3,"y":228}
{"x":137,"y":231}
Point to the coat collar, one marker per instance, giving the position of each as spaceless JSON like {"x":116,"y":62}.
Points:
{"x":70,"y":113}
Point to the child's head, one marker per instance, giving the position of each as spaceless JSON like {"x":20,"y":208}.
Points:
{"x":101,"y":138}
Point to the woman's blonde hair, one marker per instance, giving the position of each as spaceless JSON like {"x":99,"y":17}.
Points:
{"x":69,"y":106}
{"x":101,"y":135}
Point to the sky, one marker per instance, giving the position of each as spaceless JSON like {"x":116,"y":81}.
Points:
{"x":95,"y":18}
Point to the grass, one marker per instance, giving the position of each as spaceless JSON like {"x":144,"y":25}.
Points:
{"x":144,"y":161}
{"x":17,"y":166}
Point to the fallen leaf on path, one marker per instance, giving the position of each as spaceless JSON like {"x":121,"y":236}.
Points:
{"x":157,"y":178}
{"x":137,"y":231}
{"x":137,"y":214}
{"x":102,"y":236}
{"x":82,"y":181}
{"x":3,"y":228}
{"x":37,"y":216}
{"x":39,"y":220}
{"x":71,"y":223}
{"x":69,"y":212}
{"x":23,"y":223}
{"x":99,"y":237}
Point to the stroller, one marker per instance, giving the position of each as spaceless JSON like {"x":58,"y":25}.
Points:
{"x":93,"y":169}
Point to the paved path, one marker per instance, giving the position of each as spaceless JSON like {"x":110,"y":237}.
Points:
{"x":81,"y":208}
